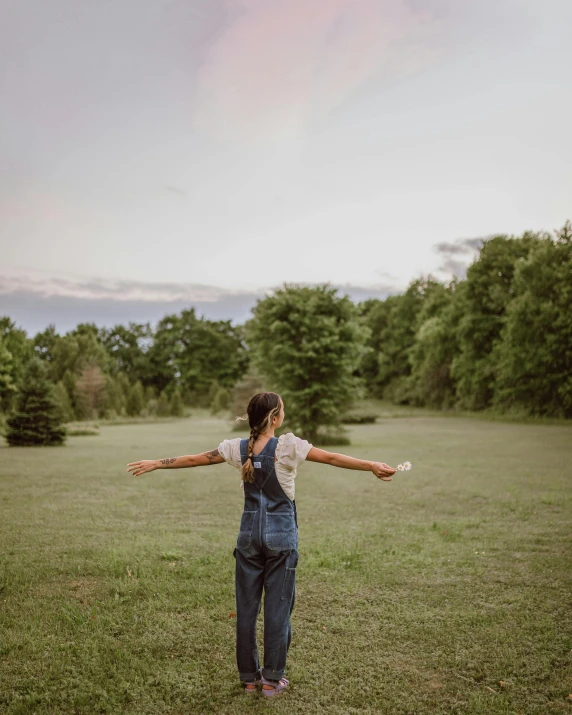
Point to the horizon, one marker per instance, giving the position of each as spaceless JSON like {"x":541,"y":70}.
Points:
{"x":109,"y":303}
{"x":206,"y":151}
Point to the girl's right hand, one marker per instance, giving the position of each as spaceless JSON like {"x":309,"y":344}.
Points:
{"x":146,"y":465}
{"x":383,"y":471}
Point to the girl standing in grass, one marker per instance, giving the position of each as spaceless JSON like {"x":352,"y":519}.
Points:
{"x":267,"y":546}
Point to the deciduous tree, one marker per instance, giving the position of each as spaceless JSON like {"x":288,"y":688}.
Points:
{"x":307,"y":343}
{"x":193,"y":353}
{"x":535,"y":353}
{"x":488,"y":291}
{"x":91,"y":388}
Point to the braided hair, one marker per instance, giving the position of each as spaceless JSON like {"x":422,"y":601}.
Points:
{"x":261,"y":410}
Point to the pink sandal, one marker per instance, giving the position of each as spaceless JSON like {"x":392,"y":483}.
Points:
{"x":278,"y":688}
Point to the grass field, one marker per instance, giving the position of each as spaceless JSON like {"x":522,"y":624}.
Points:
{"x":445,"y":591}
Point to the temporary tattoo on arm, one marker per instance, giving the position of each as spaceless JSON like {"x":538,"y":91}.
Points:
{"x":212,"y":455}
{"x":168,"y":461}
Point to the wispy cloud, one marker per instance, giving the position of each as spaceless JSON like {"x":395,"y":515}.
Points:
{"x":281,"y":64}
{"x":461,"y":245}
{"x":35,"y":301}
{"x":120,"y":291}
{"x":456,"y":256}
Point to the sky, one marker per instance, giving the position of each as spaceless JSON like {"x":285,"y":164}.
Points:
{"x":176,"y":153}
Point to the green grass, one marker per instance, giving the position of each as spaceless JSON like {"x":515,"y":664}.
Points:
{"x":416,"y":596}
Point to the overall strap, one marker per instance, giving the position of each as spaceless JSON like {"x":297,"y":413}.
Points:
{"x":263,"y":462}
{"x":271,"y":446}
{"x":243,"y":450}
{"x":269,"y":449}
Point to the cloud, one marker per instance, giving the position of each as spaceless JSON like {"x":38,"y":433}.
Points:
{"x":117,"y":290}
{"x":461,"y":245}
{"x":34,"y":302}
{"x":278,"y":65}
{"x":458,"y":255}
{"x":34,"y":313}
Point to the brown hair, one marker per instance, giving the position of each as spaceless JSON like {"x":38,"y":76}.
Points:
{"x":261,"y":409}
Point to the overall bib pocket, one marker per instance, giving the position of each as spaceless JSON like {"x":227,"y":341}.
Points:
{"x":246,"y":526}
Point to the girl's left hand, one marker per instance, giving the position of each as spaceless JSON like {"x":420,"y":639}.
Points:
{"x":146,"y":465}
{"x":383,"y":471}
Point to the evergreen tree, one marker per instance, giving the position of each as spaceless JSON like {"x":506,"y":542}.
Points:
{"x":177,"y":407}
{"x":221,"y":401}
{"x":136,"y":400}
{"x":124,"y":387}
{"x":68,"y":380}
{"x":213,"y":390}
{"x":64,"y":402}
{"x":114,"y":403}
{"x":163,"y":406}
{"x":37,"y":419}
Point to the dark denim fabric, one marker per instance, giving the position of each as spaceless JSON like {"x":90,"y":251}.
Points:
{"x":266,"y":557}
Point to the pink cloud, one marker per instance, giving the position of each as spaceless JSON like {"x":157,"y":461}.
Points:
{"x":282,"y":63}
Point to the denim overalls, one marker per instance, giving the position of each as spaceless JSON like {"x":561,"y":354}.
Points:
{"x":266,"y":555}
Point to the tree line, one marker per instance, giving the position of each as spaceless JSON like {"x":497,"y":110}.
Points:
{"x":128,"y":370}
{"x":501,"y":339}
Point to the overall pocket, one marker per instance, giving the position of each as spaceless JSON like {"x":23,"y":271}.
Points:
{"x":246,"y":526}
{"x":289,"y":576}
{"x":281,"y":533}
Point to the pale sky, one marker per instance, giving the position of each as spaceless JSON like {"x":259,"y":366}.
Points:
{"x":170,"y":153}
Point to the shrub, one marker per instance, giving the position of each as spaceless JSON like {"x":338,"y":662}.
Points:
{"x":359,"y":417}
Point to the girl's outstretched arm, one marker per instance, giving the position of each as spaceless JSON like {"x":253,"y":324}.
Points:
{"x":190,"y":460}
{"x":380,"y":469}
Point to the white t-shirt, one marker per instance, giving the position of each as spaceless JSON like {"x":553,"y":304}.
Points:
{"x":291,"y":451}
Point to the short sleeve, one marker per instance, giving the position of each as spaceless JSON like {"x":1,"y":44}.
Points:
{"x":229,"y":450}
{"x":291,"y":451}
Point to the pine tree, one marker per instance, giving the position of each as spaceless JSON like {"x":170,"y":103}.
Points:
{"x":136,"y":400}
{"x":163,"y":406}
{"x":37,"y":419}
{"x":64,"y":402}
{"x":177,"y":406}
{"x":114,"y":404}
{"x":221,"y":400}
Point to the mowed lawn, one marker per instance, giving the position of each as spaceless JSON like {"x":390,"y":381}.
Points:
{"x":445,"y":591}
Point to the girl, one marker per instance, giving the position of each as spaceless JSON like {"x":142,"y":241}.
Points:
{"x":267,"y":546}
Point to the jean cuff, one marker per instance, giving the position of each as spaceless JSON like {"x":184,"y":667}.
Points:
{"x":269,"y":674}
{"x":249,"y":677}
